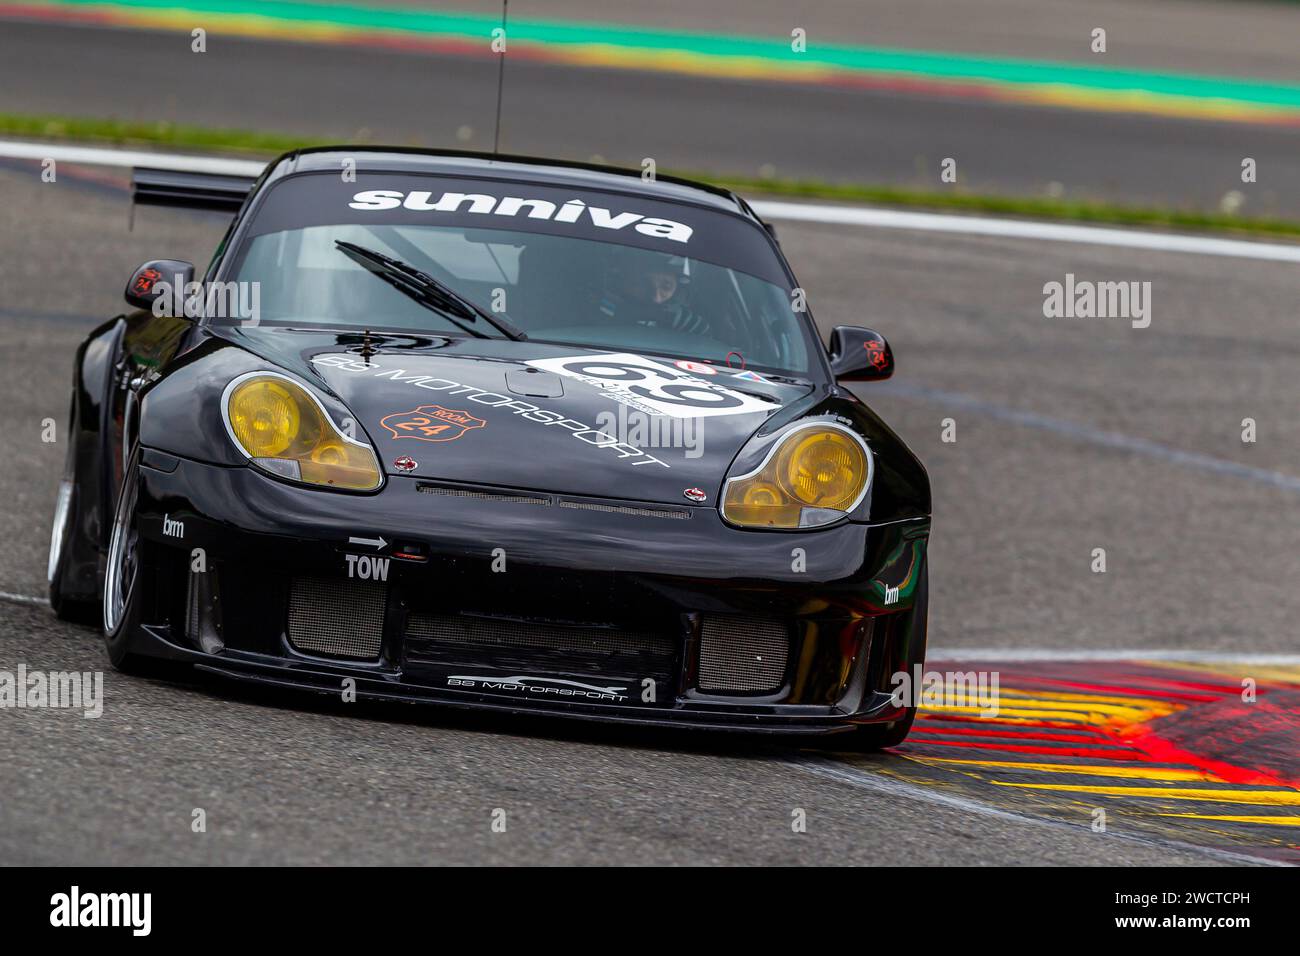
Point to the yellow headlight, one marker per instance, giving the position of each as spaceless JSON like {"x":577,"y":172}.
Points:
{"x":264,"y":417}
{"x":816,"y":474}
{"x":824,"y":469}
{"x":283,"y":428}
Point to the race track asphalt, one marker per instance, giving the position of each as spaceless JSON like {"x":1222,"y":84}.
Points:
{"x":1071,"y":435}
{"x":691,"y":123}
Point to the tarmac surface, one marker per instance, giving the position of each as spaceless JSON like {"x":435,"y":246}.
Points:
{"x":1071,"y":434}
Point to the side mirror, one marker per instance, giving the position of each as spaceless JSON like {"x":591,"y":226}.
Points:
{"x":860,"y":355}
{"x":158,"y":278}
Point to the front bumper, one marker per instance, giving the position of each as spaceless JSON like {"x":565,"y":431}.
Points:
{"x":493,"y":562}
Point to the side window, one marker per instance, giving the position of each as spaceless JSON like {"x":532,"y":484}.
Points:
{"x":221,"y":248}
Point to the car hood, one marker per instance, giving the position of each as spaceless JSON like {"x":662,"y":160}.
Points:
{"x":557,"y":418}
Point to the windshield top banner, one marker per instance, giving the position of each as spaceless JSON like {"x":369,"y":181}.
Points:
{"x":422,"y":200}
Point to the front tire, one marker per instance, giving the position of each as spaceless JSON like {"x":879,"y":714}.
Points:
{"x":63,"y":544}
{"x":121,"y":604}
{"x":870,"y":737}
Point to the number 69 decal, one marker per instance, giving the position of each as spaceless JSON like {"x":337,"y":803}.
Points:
{"x":652,"y":386}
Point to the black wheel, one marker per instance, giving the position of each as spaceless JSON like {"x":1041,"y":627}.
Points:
{"x":121,"y":573}
{"x":879,"y":736}
{"x":66,"y":607}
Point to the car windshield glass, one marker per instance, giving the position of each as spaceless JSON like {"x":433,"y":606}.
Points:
{"x":557,"y":282}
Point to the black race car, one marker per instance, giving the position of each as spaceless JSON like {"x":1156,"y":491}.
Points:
{"x":501,"y":433}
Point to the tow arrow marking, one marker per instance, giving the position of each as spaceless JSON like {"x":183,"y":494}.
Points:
{"x":377,"y":543}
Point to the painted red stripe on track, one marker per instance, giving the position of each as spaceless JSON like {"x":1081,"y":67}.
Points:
{"x":1102,"y":753}
{"x":1135,"y":691}
{"x":1134,"y":675}
{"x":61,"y":15}
{"x":1158,"y":749}
{"x":1013,"y":735}
{"x":1011,"y":722}
{"x":1223,"y":690}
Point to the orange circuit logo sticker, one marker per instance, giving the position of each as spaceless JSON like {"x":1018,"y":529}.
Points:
{"x":431,"y":423}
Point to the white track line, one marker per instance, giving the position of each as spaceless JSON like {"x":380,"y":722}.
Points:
{"x":788,"y":211}
{"x":127,"y":158}
{"x":1021,"y":229}
{"x":22,"y":598}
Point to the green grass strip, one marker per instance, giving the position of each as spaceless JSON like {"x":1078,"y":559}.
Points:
{"x":267,"y":145}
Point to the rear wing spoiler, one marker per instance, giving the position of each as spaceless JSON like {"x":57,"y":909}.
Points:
{"x":169,"y":187}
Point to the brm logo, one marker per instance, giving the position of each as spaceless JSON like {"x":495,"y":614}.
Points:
{"x":481,"y":204}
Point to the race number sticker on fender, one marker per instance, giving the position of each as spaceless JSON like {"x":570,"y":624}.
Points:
{"x":653,"y":387}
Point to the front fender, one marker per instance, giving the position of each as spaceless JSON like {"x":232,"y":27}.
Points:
{"x":180,"y":412}
{"x":91,"y":462}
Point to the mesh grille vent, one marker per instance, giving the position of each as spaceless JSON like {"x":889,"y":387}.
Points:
{"x":740,"y":654}
{"x":678,"y":513}
{"x":482,"y":495}
{"x":337,"y":618}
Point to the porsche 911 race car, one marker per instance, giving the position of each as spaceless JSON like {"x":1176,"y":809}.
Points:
{"x":500,"y":433}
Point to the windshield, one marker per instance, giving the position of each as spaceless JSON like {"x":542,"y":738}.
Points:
{"x":569,"y":283}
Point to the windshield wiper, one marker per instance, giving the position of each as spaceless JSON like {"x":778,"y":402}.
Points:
{"x":428,"y":291}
